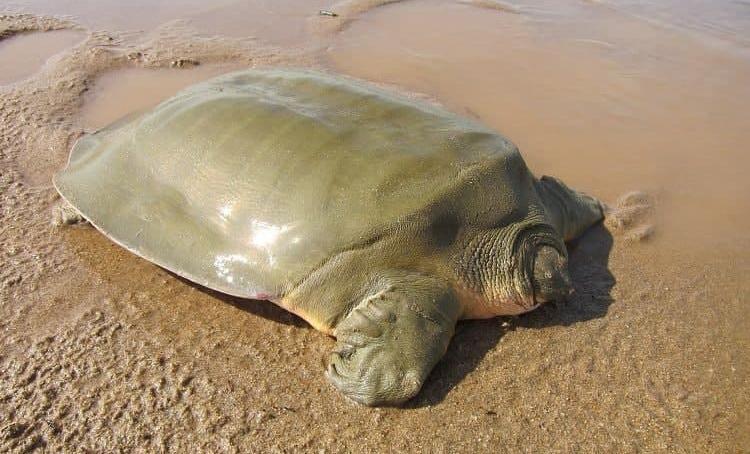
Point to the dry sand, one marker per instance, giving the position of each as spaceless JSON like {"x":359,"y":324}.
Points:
{"x":103,"y":351}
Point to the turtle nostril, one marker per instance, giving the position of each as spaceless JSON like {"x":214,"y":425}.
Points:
{"x":550,"y":279}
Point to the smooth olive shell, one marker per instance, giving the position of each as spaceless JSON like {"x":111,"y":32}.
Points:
{"x":248,"y":182}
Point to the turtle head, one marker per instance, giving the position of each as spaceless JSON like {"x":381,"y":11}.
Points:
{"x":515,"y":269}
{"x":549,"y":277}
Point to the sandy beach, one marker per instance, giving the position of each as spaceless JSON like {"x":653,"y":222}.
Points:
{"x":105,"y":352}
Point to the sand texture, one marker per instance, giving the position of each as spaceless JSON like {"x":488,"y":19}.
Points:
{"x":105,"y":352}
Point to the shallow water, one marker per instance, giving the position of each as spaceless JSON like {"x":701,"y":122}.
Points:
{"x":118,"y":93}
{"x":727,"y":20}
{"x":605,"y":100}
{"x":23,"y":55}
{"x":276,"y":21}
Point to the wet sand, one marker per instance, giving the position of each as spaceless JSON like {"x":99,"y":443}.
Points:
{"x":104,"y":351}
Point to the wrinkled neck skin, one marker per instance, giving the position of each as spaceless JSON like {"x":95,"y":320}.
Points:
{"x":488,"y":257}
{"x":496,"y":268}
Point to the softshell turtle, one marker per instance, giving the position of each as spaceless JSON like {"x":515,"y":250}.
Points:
{"x":378,"y":219}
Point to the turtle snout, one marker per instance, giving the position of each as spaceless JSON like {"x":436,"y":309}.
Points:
{"x":550,"y":279}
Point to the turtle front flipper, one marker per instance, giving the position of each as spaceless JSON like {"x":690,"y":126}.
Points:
{"x":390,"y":341}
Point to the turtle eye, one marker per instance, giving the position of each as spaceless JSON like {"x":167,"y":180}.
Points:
{"x":443,"y":230}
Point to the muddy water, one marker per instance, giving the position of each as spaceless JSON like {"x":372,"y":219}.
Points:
{"x":276,"y":21}
{"x":23,"y":55}
{"x":611,"y":96}
{"x":724,"y":20}
{"x":603,"y":99}
{"x":116,"y":94}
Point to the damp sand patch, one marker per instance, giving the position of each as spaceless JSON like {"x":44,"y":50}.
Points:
{"x":24,"y":54}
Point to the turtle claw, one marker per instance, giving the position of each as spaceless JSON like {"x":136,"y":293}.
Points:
{"x":365,"y":365}
{"x":369,"y":377}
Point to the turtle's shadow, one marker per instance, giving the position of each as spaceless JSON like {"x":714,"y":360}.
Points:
{"x":589,"y":269}
{"x":265,"y":309}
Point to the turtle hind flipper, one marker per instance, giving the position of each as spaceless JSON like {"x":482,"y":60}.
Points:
{"x":63,"y":213}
